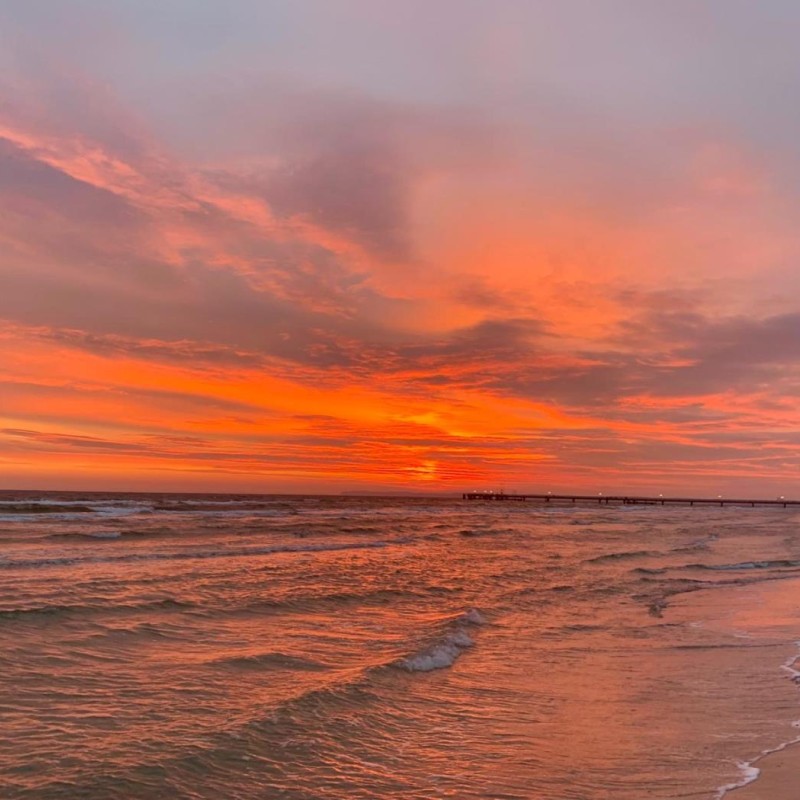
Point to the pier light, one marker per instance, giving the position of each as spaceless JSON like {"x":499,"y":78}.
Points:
{"x":661,"y":495}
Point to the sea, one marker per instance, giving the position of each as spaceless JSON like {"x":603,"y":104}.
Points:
{"x":221,"y":647}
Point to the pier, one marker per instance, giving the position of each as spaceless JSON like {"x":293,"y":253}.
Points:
{"x":626,"y":500}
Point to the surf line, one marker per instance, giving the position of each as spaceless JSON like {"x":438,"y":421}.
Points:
{"x":749,"y":768}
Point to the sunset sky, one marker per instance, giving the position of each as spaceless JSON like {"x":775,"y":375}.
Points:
{"x":329,"y":245}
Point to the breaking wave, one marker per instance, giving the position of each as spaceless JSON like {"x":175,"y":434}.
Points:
{"x":444,"y":652}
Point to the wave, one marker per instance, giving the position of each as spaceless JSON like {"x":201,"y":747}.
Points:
{"x":698,"y":544}
{"x":444,"y":652}
{"x":290,"y":603}
{"x":88,"y":535}
{"x":305,"y":601}
{"x":623,"y":555}
{"x":25,"y":509}
{"x":271,"y":660}
{"x":27,"y":612}
{"x":722,"y":646}
{"x":658,"y":600}
{"x":307,"y":724}
{"x":227,"y":507}
{"x":193,"y":555}
{"x":781,"y":563}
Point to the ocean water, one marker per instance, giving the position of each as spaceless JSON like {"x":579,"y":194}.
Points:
{"x":337,"y":648}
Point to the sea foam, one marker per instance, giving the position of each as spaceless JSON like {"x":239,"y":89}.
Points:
{"x":750,"y":772}
{"x":443,"y":653}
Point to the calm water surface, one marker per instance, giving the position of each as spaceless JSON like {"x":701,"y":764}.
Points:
{"x":330,"y":648}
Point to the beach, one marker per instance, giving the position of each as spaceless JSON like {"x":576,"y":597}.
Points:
{"x":778,"y":778}
{"x":312,"y":648}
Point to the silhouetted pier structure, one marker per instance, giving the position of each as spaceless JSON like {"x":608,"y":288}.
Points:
{"x":627,"y":500}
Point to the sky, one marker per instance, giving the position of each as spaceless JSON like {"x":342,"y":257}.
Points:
{"x":439,"y":245}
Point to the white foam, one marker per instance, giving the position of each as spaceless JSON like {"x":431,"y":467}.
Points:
{"x":444,"y":653}
{"x":789,"y":666}
{"x":748,"y":768}
{"x":122,"y":511}
{"x":64,"y":516}
{"x":473,"y":617}
{"x":441,"y":655}
{"x":751,"y":773}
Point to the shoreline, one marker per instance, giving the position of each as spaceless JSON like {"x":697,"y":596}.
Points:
{"x":772,"y":772}
{"x":775,"y":774}
{"x":775,"y":777}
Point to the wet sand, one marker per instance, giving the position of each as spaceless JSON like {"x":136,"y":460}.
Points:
{"x":779,"y":778}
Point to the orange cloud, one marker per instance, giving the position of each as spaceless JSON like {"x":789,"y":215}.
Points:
{"x":385,"y":299}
